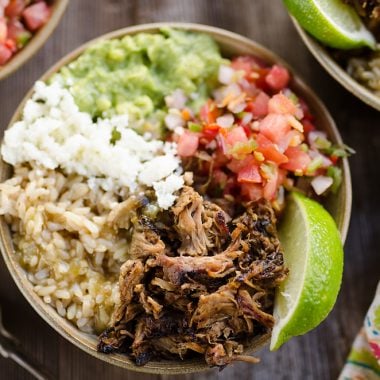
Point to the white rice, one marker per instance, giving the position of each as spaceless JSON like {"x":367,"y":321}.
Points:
{"x":55,"y":133}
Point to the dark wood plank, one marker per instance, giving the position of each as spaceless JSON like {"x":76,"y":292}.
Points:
{"x":318,"y":355}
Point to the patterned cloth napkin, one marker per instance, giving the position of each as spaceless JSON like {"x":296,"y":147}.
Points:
{"x":363,"y":363}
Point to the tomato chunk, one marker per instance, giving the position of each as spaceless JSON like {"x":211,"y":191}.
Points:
{"x":5,"y":54}
{"x":249,"y":174}
{"x":187,"y":144}
{"x":15,"y":8}
{"x":236,"y":165}
{"x":259,"y":106}
{"x":252,"y":191}
{"x":3,"y":30}
{"x":270,"y":188}
{"x":243,"y":63}
{"x":269,"y":150}
{"x":308,"y":126}
{"x":278,"y":77}
{"x":234,"y":136}
{"x":209,"y":113}
{"x":36,"y":15}
{"x":281,"y":104}
{"x":298,"y":160}
{"x":18,"y":33}
{"x":275,"y":127}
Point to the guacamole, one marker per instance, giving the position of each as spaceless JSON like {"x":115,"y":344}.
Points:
{"x":133,"y":74}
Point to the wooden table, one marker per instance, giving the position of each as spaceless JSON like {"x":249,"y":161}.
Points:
{"x":318,"y":355}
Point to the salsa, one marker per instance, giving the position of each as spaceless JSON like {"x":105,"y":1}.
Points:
{"x":19,"y":20}
{"x":254,"y":137}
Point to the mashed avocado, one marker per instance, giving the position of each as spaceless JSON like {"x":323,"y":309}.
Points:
{"x":133,"y":74}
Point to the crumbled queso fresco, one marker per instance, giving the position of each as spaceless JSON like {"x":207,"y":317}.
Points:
{"x":54,"y":133}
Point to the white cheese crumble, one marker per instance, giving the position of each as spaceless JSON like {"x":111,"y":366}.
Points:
{"x":54,"y":133}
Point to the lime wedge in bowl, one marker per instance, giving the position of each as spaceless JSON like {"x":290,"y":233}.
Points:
{"x":332,"y":22}
{"x":313,"y":253}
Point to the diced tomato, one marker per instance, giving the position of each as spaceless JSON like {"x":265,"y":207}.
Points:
{"x":298,"y":160}
{"x":5,"y":54}
{"x":210,"y":131}
{"x":291,"y":138}
{"x":281,"y":104}
{"x":234,"y":136}
{"x":270,"y":188}
{"x":249,"y":88}
{"x":36,"y":15}
{"x":243,"y":63}
{"x":255,"y":70}
{"x":247,"y":63}
{"x":260,"y":79}
{"x":209,"y":112}
{"x":18,"y":33}
{"x":281,"y":177}
{"x":308,"y":126}
{"x":11,"y":45}
{"x":278,"y":77}
{"x":15,"y":8}
{"x":334,"y":159}
{"x":249,"y":174}
{"x":259,"y":106}
{"x":236,"y":165}
{"x":306,"y":111}
{"x":274,"y":127}
{"x":187,"y":144}
{"x":269,"y":150}
{"x":3,"y":30}
{"x":252,"y":191}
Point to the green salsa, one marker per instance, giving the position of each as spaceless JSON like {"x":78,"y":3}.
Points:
{"x":133,"y":75}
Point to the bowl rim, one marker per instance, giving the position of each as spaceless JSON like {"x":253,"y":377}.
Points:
{"x":35,"y":44}
{"x":335,"y":70}
{"x":65,"y":328}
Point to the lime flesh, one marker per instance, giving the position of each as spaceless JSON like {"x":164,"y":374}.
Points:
{"x":332,"y":22}
{"x":313,"y":253}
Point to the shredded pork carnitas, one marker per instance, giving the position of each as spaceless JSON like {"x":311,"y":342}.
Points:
{"x":197,"y":283}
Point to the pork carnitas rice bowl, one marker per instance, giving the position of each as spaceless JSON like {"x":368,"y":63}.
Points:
{"x":148,"y":178}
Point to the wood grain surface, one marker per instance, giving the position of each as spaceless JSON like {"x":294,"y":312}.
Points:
{"x":321,"y":353}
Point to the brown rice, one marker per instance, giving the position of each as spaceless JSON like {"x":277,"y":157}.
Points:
{"x":64,"y":239}
{"x":366,"y":71}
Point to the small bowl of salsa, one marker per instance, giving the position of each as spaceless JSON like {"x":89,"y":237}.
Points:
{"x":25,"y":25}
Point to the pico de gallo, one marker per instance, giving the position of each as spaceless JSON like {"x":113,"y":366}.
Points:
{"x":255,"y":137}
{"x":19,"y":20}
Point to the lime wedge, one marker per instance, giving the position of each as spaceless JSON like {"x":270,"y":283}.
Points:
{"x":332,"y":22}
{"x":313,"y":253}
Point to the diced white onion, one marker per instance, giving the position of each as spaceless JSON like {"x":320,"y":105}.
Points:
{"x":247,"y":118}
{"x":326,"y":162}
{"x":176,"y":100}
{"x":225,"y":121}
{"x":237,"y":108}
{"x":173,"y":121}
{"x":321,"y":183}
{"x":233,"y":90}
{"x":313,"y":135}
{"x":226,"y":74}
{"x":179,"y":131}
